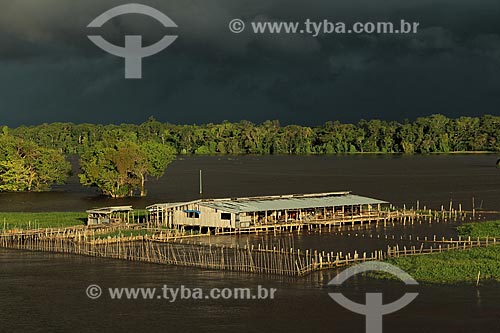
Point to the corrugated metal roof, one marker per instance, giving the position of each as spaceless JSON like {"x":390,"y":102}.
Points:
{"x":170,"y":205}
{"x":253,"y":205}
{"x":109,"y":210}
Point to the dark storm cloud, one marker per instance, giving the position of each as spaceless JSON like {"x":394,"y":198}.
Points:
{"x":50,"y":71}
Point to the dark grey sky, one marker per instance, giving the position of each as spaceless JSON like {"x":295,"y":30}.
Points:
{"x":50,"y":71}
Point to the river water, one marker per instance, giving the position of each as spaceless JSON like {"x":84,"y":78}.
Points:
{"x":433,"y":180}
{"x":46,"y":292}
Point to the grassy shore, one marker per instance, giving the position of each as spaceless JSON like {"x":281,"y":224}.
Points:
{"x":21,"y":220}
{"x":453,"y":267}
{"x":41,"y":220}
{"x":460,"y":266}
{"x":482,"y":229}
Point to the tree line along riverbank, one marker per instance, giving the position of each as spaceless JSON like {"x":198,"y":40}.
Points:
{"x":431,"y":134}
{"x":118,"y":159}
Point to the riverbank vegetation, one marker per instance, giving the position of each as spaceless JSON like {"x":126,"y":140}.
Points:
{"x":119,"y":158}
{"x":27,"y":167}
{"x":41,"y":220}
{"x":432,"y":134}
{"x":453,"y":267}
{"x":118,"y":168}
{"x":460,"y":266}
{"x":480,"y":229}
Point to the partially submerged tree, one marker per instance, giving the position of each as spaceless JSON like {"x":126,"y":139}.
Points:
{"x":156,"y":159}
{"x":120,"y":170}
{"x":27,"y":167}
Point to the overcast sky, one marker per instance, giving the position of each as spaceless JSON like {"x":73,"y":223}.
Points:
{"x":50,"y":71}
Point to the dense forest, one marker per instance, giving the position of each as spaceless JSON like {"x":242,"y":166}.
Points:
{"x":432,"y":134}
{"x":118,"y":158}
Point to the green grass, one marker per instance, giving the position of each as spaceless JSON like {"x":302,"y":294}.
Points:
{"x":140,"y":214}
{"x":41,"y":220}
{"x":456,"y":266}
{"x":453,"y":267}
{"x":480,"y":229}
{"x":124,"y":233}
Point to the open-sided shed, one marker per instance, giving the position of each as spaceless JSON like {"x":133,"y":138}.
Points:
{"x":108,"y":215}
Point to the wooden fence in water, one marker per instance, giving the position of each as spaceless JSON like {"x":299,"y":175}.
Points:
{"x":282,"y":259}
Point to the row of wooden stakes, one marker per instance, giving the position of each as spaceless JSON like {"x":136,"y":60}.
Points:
{"x":263,"y":258}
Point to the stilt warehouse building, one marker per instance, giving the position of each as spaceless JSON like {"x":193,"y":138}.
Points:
{"x":237,"y":213}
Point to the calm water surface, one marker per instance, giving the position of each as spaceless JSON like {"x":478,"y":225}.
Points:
{"x":46,"y":292}
{"x":399,"y":179}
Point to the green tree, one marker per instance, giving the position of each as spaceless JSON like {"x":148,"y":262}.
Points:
{"x":156,"y":158}
{"x":98,"y":170}
{"x":25,"y":166}
{"x":14,"y":176}
{"x":122,"y":169}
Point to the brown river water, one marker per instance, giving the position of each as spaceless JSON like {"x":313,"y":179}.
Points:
{"x":46,"y":292}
